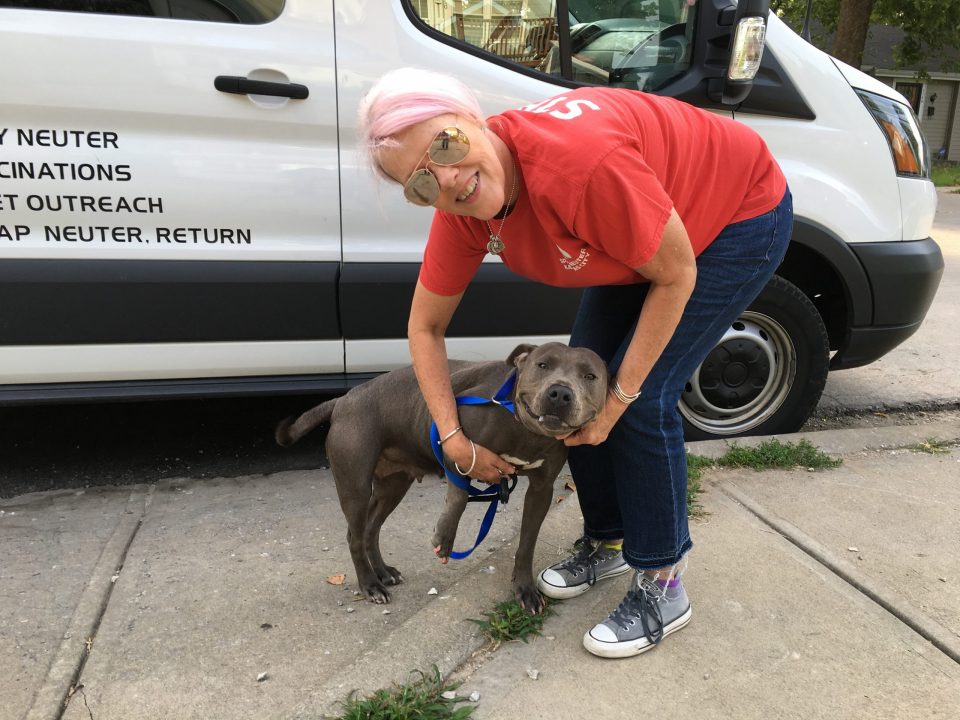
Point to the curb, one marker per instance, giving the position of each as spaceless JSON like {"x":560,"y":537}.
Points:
{"x":841,"y":442}
{"x":896,"y":605}
{"x":67,"y":664}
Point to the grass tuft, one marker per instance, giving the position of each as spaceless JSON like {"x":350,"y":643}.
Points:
{"x":945,"y":174}
{"x":696,"y":464}
{"x":421,"y":699}
{"x":932,"y":446}
{"x":767,"y":455}
{"x":509,"y":621}
{"x":773,"y":454}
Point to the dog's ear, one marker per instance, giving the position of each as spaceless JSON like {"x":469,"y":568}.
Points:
{"x":519,"y":354}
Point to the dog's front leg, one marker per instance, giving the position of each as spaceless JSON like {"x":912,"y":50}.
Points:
{"x":536,"y":503}
{"x":446,"y":531}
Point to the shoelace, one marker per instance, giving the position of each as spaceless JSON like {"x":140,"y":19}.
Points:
{"x":586,"y":559}
{"x":643,"y":603}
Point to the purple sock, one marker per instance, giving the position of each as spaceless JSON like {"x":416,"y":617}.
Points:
{"x":672,"y":584}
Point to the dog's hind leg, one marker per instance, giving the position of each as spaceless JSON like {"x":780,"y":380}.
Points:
{"x":446,"y":531}
{"x":387,"y":493}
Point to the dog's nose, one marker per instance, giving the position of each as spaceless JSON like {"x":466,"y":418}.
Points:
{"x":560,"y":394}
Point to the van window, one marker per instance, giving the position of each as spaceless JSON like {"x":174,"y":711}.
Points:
{"x":248,"y":12}
{"x":637,"y":44}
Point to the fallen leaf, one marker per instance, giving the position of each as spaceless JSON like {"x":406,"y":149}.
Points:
{"x":336,"y":579}
{"x":559,"y":499}
{"x":570,"y":485}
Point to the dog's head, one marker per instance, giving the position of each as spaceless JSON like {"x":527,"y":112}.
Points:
{"x":559,"y":388}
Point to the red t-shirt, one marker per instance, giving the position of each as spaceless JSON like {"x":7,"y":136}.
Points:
{"x":601,"y":169}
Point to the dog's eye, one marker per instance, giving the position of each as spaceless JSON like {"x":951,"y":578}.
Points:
{"x":590,"y":376}
{"x":542,"y":365}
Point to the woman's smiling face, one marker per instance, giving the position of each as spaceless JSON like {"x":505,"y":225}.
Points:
{"x":476,"y":186}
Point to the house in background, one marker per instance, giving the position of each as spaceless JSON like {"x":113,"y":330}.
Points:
{"x":934,"y":94}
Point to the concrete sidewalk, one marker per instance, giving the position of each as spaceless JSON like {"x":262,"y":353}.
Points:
{"x":172,"y":600}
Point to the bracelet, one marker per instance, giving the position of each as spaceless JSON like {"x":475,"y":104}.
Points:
{"x":624,"y":397}
{"x":450,"y":434}
{"x":472,"y":462}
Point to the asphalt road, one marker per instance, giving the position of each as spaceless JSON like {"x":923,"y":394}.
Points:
{"x":73,"y":446}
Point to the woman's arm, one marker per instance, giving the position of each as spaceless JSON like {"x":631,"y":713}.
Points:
{"x":429,"y":317}
{"x":672,"y":273}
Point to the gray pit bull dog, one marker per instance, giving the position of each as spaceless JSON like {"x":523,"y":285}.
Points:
{"x":379,"y":443}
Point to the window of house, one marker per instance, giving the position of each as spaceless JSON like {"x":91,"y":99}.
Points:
{"x":912,"y":92}
{"x":248,"y":12}
{"x":638,"y":44}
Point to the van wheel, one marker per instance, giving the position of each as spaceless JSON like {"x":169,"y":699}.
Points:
{"x":767,"y":373}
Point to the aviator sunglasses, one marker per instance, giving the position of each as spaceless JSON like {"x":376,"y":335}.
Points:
{"x":449,"y":147}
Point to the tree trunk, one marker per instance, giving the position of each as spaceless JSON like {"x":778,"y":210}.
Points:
{"x":852,"y":26}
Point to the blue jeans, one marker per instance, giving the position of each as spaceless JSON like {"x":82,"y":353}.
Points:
{"x":634,"y":485}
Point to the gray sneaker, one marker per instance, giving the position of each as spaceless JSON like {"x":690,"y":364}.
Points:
{"x":647,"y":614}
{"x":590,"y":561}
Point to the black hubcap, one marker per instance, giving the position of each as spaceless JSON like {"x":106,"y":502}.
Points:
{"x":734,"y":374}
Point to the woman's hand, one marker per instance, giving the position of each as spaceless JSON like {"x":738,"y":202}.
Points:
{"x":488,"y":468}
{"x":594,"y":433}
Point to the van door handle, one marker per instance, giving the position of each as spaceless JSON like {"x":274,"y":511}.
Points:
{"x":243,"y":86}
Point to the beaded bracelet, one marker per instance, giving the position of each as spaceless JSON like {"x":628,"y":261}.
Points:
{"x":624,"y":397}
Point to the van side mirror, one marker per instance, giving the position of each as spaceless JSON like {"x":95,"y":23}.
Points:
{"x":749,"y":26}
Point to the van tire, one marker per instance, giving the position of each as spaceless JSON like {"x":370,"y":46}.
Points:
{"x":767,"y":373}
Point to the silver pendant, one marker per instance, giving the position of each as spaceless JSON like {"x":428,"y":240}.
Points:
{"x":495,"y":246}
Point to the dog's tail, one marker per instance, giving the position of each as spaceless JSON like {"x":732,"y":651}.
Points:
{"x":293,"y":428}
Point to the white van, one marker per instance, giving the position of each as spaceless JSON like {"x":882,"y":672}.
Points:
{"x":182,"y":211}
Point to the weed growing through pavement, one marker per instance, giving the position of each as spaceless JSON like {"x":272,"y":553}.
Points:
{"x":932,"y":446}
{"x":773,"y":454}
{"x":769,"y":454}
{"x":509,"y":621}
{"x":423,"y":698}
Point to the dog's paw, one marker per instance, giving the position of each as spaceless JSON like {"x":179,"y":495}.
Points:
{"x":376,"y":592}
{"x":530,"y":598}
{"x":443,"y":544}
{"x":389,"y":575}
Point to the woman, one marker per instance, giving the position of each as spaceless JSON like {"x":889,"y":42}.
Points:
{"x":673,"y":219}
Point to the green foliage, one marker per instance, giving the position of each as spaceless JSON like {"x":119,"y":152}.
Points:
{"x":421,"y":699}
{"x":695,"y":467}
{"x":932,"y":446}
{"x":768,"y":455}
{"x":771,"y":454}
{"x":509,"y":621}
{"x":929,"y":26}
{"x":946,"y":175}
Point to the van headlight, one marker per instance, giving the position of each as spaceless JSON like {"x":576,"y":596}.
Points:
{"x":902,"y":131}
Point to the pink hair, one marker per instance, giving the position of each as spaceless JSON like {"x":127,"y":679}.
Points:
{"x":404,"y":97}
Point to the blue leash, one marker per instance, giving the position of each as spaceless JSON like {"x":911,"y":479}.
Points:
{"x":493,"y":495}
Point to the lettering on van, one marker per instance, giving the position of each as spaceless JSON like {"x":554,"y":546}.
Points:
{"x":98,"y":139}
{"x":14,"y":233}
{"x":11,"y":170}
{"x":93,"y":167}
{"x":161,"y":235}
{"x":83,"y":203}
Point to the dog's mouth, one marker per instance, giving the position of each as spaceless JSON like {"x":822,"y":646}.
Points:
{"x":551,"y":424}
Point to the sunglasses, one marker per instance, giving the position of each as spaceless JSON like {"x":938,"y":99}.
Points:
{"x":449,"y":147}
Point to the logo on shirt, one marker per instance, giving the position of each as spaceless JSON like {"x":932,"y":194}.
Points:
{"x":569,"y":262}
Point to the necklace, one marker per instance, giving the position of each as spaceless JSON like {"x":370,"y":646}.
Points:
{"x":496,"y":245}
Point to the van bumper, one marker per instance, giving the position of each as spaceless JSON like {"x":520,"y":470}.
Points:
{"x":903,"y":278}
